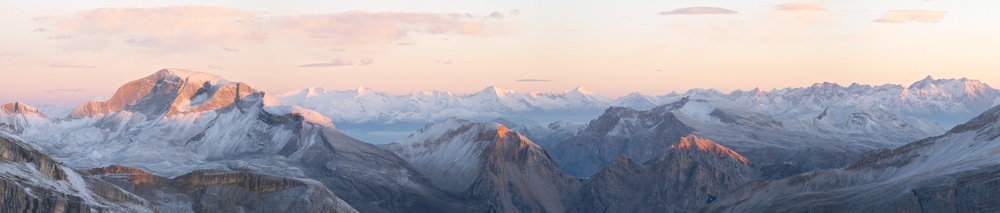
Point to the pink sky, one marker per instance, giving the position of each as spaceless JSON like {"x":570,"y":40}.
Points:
{"x":75,"y":51}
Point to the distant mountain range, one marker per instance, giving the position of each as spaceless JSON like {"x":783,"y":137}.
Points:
{"x":945,"y":101}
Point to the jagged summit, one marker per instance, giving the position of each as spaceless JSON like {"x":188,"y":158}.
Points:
{"x":692,"y":142}
{"x":18,"y":107}
{"x":171,"y":92}
{"x":581,"y":90}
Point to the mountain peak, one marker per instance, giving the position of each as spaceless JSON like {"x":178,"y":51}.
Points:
{"x":169,"y":92}
{"x":18,"y":107}
{"x":692,"y":142}
{"x":497,"y":90}
{"x":582,"y":90}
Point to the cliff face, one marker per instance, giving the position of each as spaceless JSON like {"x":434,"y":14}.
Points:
{"x":224,"y":191}
{"x":32,"y":182}
{"x":686,"y":177}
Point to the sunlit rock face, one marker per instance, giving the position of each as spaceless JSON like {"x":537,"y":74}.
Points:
{"x":489,"y":161}
{"x":224,"y":191}
{"x":30,"y":181}
{"x":687,"y":176}
{"x":954,"y":172}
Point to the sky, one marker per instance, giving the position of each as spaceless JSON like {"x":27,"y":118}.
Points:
{"x":74,"y":51}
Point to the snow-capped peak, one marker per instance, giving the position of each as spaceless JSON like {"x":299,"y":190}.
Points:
{"x":582,"y":90}
{"x":498,"y":91}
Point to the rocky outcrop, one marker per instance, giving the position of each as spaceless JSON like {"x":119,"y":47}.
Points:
{"x":489,"y":162}
{"x":690,"y":174}
{"x":225,"y":191}
{"x":954,"y":172}
{"x":30,"y":181}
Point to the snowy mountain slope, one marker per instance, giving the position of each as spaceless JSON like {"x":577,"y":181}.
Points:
{"x":954,"y":172}
{"x":818,"y":142}
{"x":681,"y":179}
{"x":30,"y":181}
{"x":489,"y":161}
{"x":177,"y":121}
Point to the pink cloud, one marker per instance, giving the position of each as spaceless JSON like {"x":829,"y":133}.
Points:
{"x":801,"y":6}
{"x":904,"y":16}
{"x":371,"y":27}
{"x":69,"y":65}
{"x":365,"y":61}
{"x":173,"y":28}
{"x":698,"y":11}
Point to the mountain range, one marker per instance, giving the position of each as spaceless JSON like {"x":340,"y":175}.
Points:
{"x":381,"y":118}
{"x":184,"y":141}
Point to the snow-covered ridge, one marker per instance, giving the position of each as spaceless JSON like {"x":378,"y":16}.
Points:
{"x":926,"y":98}
{"x":692,"y":142}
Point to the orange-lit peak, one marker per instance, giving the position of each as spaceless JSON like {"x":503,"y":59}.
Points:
{"x":692,"y":142}
{"x":502,"y":131}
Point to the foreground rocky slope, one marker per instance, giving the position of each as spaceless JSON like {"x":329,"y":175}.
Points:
{"x":827,"y":140}
{"x":954,"y":172}
{"x":224,"y":191}
{"x":490,"y":162}
{"x":30,"y":181}
{"x":177,"y":121}
{"x":690,"y":174}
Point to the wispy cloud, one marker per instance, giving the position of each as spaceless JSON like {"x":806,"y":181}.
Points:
{"x":365,"y":61}
{"x":515,"y":12}
{"x":446,"y":61}
{"x":64,"y":90}
{"x":354,"y":27}
{"x":801,"y":6}
{"x":533,"y":80}
{"x":496,"y":15}
{"x":698,"y":11}
{"x":904,"y":16}
{"x":334,"y":63}
{"x":69,"y":65}
{"x":172,"y":28}
{"x":229,"y":49}
{"x":215,"y":67}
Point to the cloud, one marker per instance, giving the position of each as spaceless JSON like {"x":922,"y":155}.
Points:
{"x":39,"y":30}
{"x":532,"y":80}
{"x":405,"y":43}
{"x":215,"y":67}
{"x":356,"y":27}
{"x":365,"y":61}
{"x":904,"y":16}
{"x":229,"y":49}
{"x":801,"y":6}
{"x":515,"y":12}
{"x":64,"y":90}
{"x":448,"y":61}
{"x":334,"y":63}
{"x":698,"y":11}
{"x":496,"y":15}
{"x":69,"y":65}
{"x":170,"y":28}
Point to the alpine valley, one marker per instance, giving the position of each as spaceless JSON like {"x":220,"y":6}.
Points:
{"x":187,"y":141}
